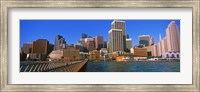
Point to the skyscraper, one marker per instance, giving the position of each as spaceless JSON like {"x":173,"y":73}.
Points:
{"x":128,"y":43}
{"x":172,"y":36}
{"x":84,"y":35}
{"x":164,"y":45}
{"x":154,"y":50}
{"x":105,"y":44}
{"x":116,"y":24}
{"x":90,"y":45}
{"x":115,"y":40}
{"x":59,"y":42}
{"x":144,"y":40}
{"x":159,"y":46}
{"x":151,"y":41}
{"x":98,"y":42}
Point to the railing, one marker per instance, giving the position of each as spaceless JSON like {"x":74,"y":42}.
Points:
{"x":51,"y":66}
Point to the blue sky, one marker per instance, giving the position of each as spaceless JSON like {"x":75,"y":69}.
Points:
{"x":71,"y":30}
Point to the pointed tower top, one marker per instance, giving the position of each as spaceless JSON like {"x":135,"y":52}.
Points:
{"x":160,"y":37}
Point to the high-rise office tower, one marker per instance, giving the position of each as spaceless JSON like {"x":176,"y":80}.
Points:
{"x":59,"y":42}
{"x":98,"y":42}
{"x":84,"y":35}
{"x":115,"y":40}
{"x":164,"y":45}
{"x":90,"y":45}
{"x":144,"y":40}
{"x":105,"y":44}
{"x":116,"y":24}
{"x":173,"y":38}
{"x":128,"y":43}
{"x":159,"y":48}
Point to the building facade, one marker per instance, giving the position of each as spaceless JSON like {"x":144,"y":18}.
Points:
{"x":39,"y":50}
{"x":27,"y":48}
{"x":71,"y":54}
{"x":90,"y":45}
{"x":144,"y":40}
{"x":171,"y":55}
{"x":140,"y":52}
{"x":40,"y":46}
{"x":152,"y":50}
{"x":115,"y":40}
{"x":59,"y":43}
{"x":117,"y":24}
{"x":84,"y":35}
{"x":129,"y":43}
{"x":173,"y":38}
{"x":105,"y":44}
{"x":151,"y":41}
{"x":103,"y":52}
{"x":94,"y":55}
{"x":56,"y":55}
{"x":99,"y":42}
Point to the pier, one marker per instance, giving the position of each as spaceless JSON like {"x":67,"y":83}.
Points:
{"x":52,"y":66}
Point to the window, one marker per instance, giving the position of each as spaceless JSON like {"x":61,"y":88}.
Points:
{"x":172,"y":56}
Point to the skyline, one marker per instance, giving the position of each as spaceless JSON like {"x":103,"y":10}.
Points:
{"x":31,"y":30}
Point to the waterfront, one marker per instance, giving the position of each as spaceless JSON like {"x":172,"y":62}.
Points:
{"x":108,"y":51}
{"x":99,"y":66}
{"x":133,"y":66}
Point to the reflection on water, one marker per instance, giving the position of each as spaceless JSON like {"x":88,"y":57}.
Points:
{"x":133,"y":67}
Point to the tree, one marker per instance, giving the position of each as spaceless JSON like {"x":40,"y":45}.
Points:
{"x":62,"y":58}
{"x":74,"y":57}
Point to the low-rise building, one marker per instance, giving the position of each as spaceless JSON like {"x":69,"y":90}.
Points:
{"x":84,"y":55}
{"x":40,"y":50}
{"x":103,"y":52}
{"x":71,"y":54}
{"x":27,"y":48}
{"x":140,"y":52}
{"x":56,"y":55}
{"x":37,"y":57}
{"x":94,"y":55}
{"x":171,"y":55}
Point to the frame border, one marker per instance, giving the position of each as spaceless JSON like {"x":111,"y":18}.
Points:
{"x":6,"y":4}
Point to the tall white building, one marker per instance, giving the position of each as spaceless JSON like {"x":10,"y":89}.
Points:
{"x":115,"y":40}
{"x":117,"y":24}
{"x":151,"y":41}
{"x":173,"y":38}
{"x":164,"y":45}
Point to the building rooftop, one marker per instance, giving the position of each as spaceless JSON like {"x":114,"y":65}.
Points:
{"x":144,"y":35}
{"x":114,"y":30}
{"x":118,"y":21}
